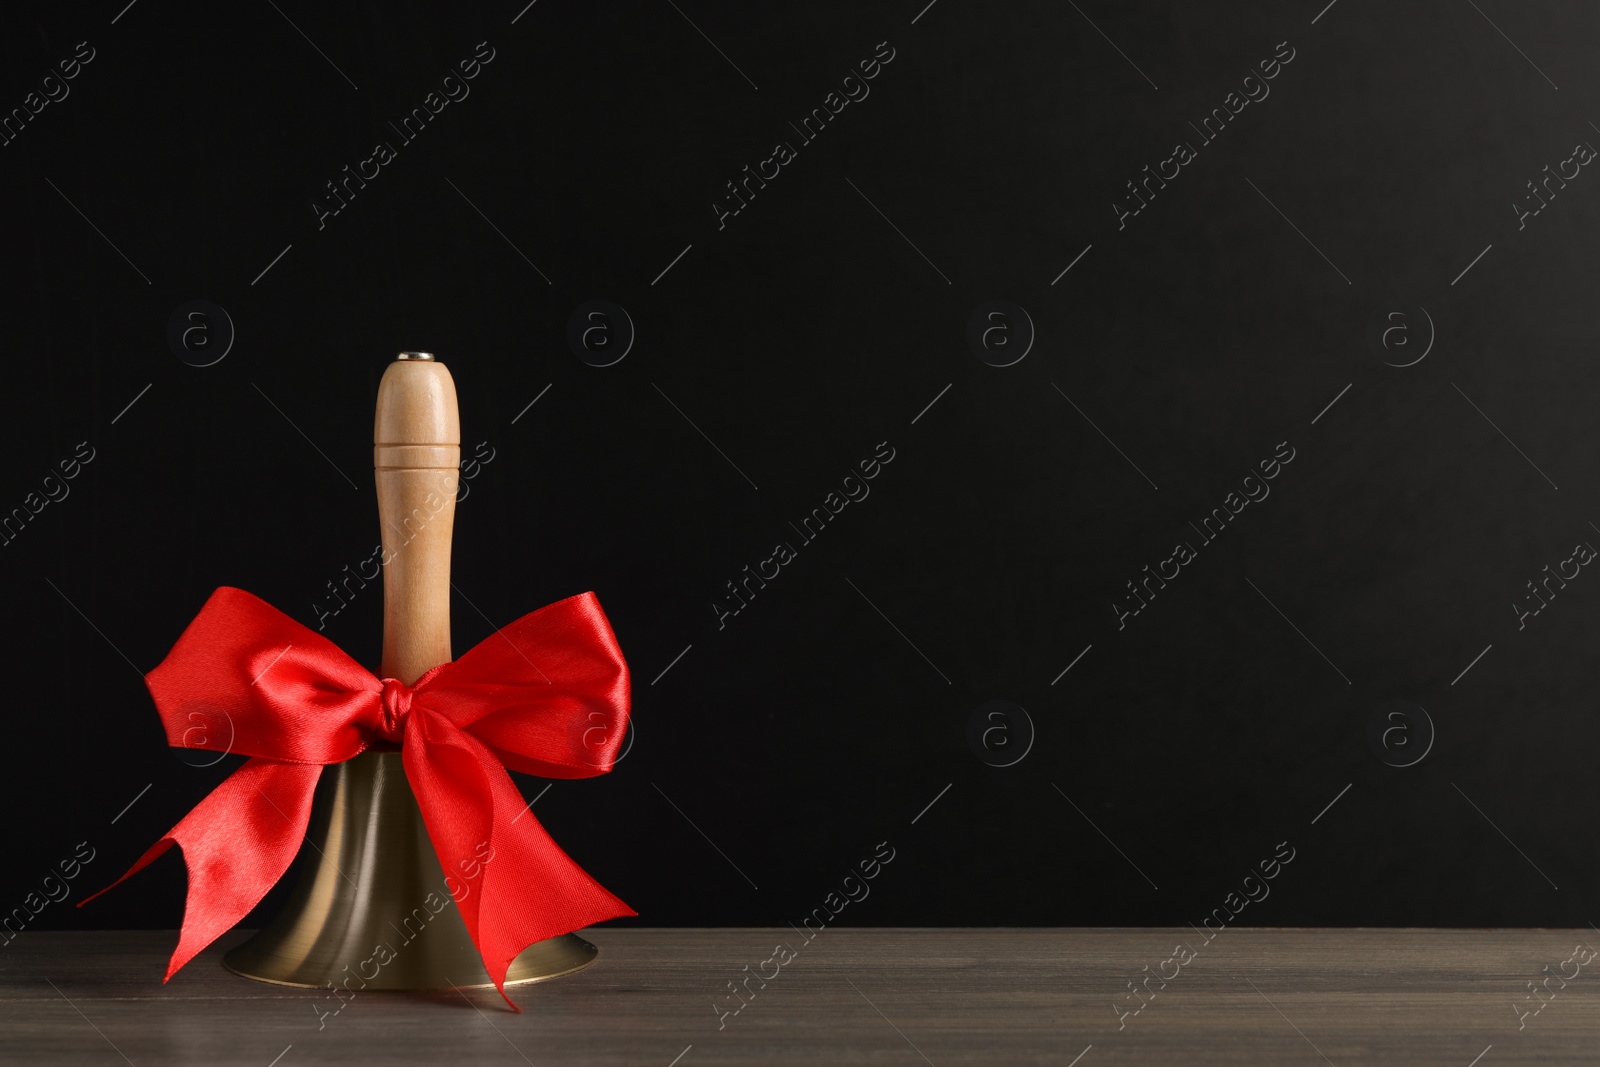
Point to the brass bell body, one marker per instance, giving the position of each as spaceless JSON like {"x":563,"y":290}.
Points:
{"x":372,"y":908}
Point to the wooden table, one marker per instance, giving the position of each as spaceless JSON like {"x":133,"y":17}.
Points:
{"x":1254,"y":996}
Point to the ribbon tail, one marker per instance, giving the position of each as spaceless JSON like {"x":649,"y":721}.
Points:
{"x":538,"y":892}
{"x":516,"y":885}
{"x":236,"y":844}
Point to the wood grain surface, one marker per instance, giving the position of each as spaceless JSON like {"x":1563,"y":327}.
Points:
{"x":872,"y":996}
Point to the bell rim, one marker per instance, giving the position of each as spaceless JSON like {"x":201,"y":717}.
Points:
{"x":593,"y":950}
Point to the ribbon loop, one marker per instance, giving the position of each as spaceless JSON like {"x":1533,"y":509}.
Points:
{"x":526,"y":698}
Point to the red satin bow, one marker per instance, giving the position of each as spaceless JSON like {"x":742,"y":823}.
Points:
{"x":530,"y":698}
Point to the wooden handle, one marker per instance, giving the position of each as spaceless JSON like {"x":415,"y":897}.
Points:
{"x":417,"y":456}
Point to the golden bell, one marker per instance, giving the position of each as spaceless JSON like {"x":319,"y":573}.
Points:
{"x":372,"y":908}
{"x":371,"y":878}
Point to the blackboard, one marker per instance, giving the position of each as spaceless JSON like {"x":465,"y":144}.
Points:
{"x":1220,"y":370}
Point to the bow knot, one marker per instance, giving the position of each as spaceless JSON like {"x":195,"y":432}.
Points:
{"x":493,"y":708}
{"x":396,"y":710}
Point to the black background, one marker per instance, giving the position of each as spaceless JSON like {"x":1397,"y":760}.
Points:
{"x":826,"y":716}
